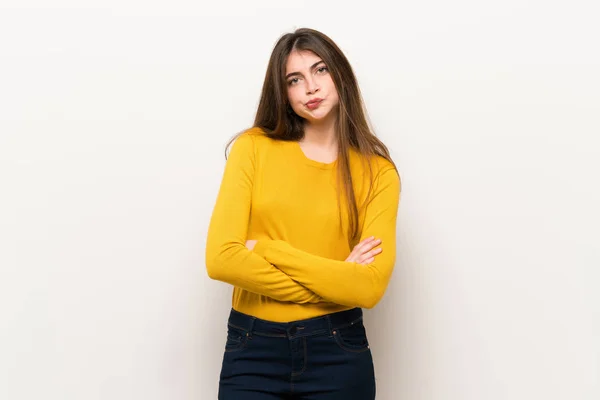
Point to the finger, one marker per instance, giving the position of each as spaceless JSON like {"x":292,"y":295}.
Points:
{"x":362,"y":247}
{"x":370,"y":254}
{"x":368,"y":260}
{"x":364,"y":242}
{"x":370,"y":251}
{"x":372,"y":244}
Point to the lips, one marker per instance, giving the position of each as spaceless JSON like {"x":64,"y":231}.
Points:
{"x":313,"y":104}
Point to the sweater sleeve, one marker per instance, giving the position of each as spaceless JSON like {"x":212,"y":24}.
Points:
{"x":227,"y":257}
{"x":347,"y":283}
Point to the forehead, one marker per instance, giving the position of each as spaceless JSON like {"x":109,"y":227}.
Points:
{"x":300,"y":60}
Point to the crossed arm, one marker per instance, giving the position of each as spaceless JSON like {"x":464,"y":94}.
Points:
{"x":276,"y":269}
{"x":227,"y":257}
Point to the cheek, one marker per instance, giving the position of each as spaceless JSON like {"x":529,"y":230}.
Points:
{"x":294,"y":98}
{"x":291,"y":93}
{"x":330,"y":88}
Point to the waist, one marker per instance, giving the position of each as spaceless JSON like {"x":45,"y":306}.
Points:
{"x":268,"y":309}
{"x":298,"y":328}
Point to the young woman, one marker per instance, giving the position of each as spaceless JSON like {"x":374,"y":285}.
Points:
{"x":304,"y":228}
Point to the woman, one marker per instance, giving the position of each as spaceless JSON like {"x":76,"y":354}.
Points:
{"x":304,"y":228}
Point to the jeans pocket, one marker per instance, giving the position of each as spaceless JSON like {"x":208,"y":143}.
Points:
{"x":352,"y":338}
{"x":236,"y":338}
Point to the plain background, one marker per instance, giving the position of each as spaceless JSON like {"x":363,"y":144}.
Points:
{"x":113,"y":121}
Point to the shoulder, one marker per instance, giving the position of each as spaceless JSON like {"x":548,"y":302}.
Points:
{"x":379,"y":165}
{"x":378,"y":170}
{"x":386,"y":174}
{"x":256,"y":137}
{"x":383,"y":165}
{"x":249,"y":140}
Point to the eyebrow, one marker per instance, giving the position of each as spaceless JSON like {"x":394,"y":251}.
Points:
{"x":298,"y":73}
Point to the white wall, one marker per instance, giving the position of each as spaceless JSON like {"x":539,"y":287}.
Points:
{"x":113,"y":118}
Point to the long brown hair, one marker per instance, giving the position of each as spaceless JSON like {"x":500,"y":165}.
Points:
{"x":277,"y":119}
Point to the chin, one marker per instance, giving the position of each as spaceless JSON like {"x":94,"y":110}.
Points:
{"x":319,"y":118}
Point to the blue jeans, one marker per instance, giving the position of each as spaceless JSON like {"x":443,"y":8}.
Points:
{"x":323,"y":358}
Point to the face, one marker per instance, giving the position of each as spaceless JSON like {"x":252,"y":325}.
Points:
{"x":308,"y":79}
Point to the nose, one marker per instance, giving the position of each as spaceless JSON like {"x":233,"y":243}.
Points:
{"x":312,"y":90}
{"x":311,"y":87}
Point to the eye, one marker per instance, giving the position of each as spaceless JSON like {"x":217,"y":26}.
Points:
{"x":322,"y":69}
{"x":293,"y":81}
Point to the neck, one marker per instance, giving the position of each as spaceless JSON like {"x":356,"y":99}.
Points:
{"x":321,"y":133}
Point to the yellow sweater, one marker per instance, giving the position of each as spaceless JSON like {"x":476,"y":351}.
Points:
{"x":272,"y":192}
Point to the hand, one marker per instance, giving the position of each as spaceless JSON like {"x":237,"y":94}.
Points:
{"x":363,"y":252}
{"x":250,"y":244}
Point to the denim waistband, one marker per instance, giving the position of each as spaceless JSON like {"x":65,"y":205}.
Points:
{"x":306,"y":327}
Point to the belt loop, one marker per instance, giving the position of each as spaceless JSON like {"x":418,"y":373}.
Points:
{"x":249,"y":333}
